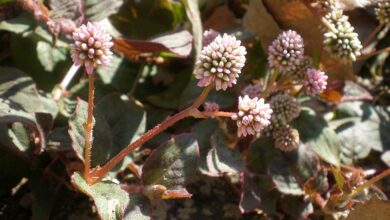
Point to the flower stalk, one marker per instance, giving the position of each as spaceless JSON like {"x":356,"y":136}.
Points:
{"x":89,"y":128}
{"x":190,"y":111}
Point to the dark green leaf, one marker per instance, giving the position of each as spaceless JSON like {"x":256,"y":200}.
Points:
{"x":361,"y":127}
{"x":318,"y":136}
{"x":257,"y":193}
{"x":119,"y":122}
{"x":173,"y":163}
{"x":110,"y":200}
{"x":96,"y":10}
{"x":138,"y":208}
{"x":221,"y":159}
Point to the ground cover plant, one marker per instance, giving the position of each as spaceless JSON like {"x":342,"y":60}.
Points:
{"x":194,"y":109}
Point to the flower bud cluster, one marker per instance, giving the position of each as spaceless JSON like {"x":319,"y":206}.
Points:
{"x":382,"y":12}
{"x":300,"y":73}
{"x":286,"y":138}
{"x":209,"y":36}
{"x":91,"y":46}
{"x":327,"y":6}
{"x":286,"y":51}
{"x":253,"y":116}
{"x":211,"y":107}
{"x":340,"y":40}
{"x":253,"y":90}
{"x":220,"y":62}
{"x":285,"y":109}
{"x":316,"y":81}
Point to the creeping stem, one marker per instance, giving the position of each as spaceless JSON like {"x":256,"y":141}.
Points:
{"x":190,"y":111}
{"x":88,"y":128}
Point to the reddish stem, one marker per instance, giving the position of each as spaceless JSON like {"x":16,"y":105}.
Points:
{"x":216,"y":114}
{"x":88,"y":128}
{"x":370,"y":182}
{"x":372,"y":35}
{"x":191,"y":111}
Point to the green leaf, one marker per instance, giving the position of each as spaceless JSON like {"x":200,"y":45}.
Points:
{"x":297,"y":207}
{"x":289,"y":170}
{"x":169,"y":98}
{"x":386,"y":158}
{"x":18,"y":25}
{"x":221,"y":159}
{"x":172,"y":164}
{"x":23,"y":125}
{"x":138,"y":208}
{"x":119,"y":74}
{"x":49,"y":56}
{"x":19,"y":88}
{"x":203,"y":130}
{"x":118,"y":122}
{"x":224,"y":99}
{"x":361,"y":127}
{"x":257,"y":193}
{"x":318,"y":136}
{"x":96,"y":10}
{"x":110,"y":200}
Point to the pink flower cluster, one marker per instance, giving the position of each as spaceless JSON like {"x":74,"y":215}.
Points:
{"x":92,"y":46}
{"x":211,"y":107}
{"x":286,"y":51}
{"x":253,"y":116}
{"x":220,"y":62}
{"x":316,"y":81}
{"x":209,"y":36}
{"x":252,"y":91}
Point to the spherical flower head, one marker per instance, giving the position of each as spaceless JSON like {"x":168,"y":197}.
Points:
{"x":92,"y":46}
{"x":286,"y":139}
{"x":286,"y":51}
{"x":299,"y":73}
{"x":286,"y":108}
{"x":253,"y":116}
{"x":209,"y":36}
{"x":316,"y":81}
{"x":327,"y":6}
{"x":211,"y":107}
{"x":220,"y":62}
{"x":252,"y":91}
{"x":340,"y":40}
{"x":382,"y":12}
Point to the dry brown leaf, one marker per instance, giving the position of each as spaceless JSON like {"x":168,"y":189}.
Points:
{"x":258,"y":21}
{"x":222,"y":18}
{"x":374,"y":209}
{"x":265,"y":17}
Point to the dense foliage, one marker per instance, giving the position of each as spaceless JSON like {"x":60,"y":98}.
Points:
{"x":194,"y":109}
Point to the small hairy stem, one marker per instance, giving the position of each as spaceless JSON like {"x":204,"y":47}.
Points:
{"x":370,"y":182}
{"x":57,"y":92}
{"x":191,"y":111}
{"x":372,"y":35}
{"x":366,"y":56}
{"x":215,"y":114}
{"x":88,"y":128}
{"x":198,"y":102}
{"x":270,"y":83}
